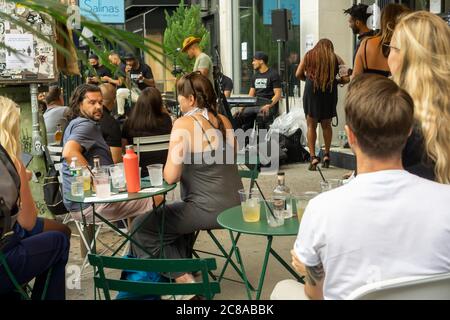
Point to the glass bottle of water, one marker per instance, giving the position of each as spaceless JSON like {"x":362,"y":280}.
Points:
{"x":283,"y":193}
{"x":296,"y":92}
{"x":76,"y":173}
{"x":97,"y":168}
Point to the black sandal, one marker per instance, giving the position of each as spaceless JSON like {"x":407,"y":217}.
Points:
{"x":315,"y":161}
{"x":326,"y":161}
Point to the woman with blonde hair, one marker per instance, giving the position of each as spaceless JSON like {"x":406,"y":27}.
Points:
{"x":420,"y":63}
{"x":33,"y":248}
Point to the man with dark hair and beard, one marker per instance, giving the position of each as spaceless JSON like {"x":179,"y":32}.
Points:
{"x":83,"y":140}
{"x":358,"y":16}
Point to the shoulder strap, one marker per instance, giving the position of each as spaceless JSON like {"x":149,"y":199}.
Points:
{"x":203,"y":130}
{"x":365,"y":64}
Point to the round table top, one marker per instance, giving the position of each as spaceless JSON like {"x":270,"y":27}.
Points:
{"x":233,"y":220}
{"x":89,"y":197}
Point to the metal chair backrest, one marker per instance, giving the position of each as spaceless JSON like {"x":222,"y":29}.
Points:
{"x":57,"y":158}
{"x":151,"y":144}
{"x":205,"y":288}
{"x":435,"y":287}
{"x":252,"y":163}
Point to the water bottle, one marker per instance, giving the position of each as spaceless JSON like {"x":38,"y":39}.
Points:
{"x":131,"y":165}
{"x":76,"y":179}
{"x":282,"y":194}
{"x":296,"y":92}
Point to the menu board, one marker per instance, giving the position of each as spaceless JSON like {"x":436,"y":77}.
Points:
{"x":32,"y":60}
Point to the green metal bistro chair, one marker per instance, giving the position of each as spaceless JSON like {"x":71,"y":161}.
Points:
{"x":252,"y":173}
{"x":206,"y":288}
{"x":24,"y":290}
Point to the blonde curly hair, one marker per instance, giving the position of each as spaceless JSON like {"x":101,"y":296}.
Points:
{"x":10,"y":128}
{"x":424,"y":42}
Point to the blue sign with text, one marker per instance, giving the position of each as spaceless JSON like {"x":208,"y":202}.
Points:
{"x":106,"y":11}
{"x":293,"y":5}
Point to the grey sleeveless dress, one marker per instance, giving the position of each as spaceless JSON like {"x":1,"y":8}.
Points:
{"x":206,"y":191}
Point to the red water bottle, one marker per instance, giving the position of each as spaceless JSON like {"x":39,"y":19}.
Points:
{"x":131,"y":165}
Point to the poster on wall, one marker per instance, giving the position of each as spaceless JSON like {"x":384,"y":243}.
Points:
{"x":24,"y":58}
{"x":309,"y":42}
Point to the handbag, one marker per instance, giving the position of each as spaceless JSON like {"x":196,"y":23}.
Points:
{"x":52,"y":188}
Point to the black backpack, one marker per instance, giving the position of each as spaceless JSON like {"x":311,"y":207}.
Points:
{"x":291,"y":149}
{"x":9,"y":193}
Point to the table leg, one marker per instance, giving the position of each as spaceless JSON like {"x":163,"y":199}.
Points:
{"x":287,"y":266}
{"x":130,"y":236}
{"x":239,"y":260}
{"x":229,"y":260}
{"x":264,"y":267}
{"x":161,"y":231}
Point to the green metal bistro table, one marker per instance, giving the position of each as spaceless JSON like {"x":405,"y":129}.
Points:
{"x":233,"y":221}
{"x":89,"y":198}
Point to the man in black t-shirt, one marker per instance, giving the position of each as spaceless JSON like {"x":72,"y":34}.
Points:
{"x":225,"y":83}
{"x":97,"y":72}
{"x":227,"y":86}
{"x":138,"y":76}
{"x":266,"y":83}
{"x":110,"y":127}
{"x":357,"y":21}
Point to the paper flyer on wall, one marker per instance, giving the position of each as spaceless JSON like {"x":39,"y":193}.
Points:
{"x":23,"y":57}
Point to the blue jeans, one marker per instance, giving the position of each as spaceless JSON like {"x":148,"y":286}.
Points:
{"x":32,"y":257}
{"x":23,"y":233}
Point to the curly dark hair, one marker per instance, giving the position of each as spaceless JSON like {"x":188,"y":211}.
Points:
{"x":358,"y":12}
{"x":77,"y":97}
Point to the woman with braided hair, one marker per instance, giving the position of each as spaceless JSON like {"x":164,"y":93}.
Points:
{"x":319,"y":69}
{"x":201,"y":158}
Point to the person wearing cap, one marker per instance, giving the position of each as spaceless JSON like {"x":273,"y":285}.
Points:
{"x":266,"y":83}
{"x":138,"y":76}
{"x":203,"y":62}
{"x":97,"y":72}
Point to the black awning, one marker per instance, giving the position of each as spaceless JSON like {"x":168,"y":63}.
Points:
{"x":152,"y":3}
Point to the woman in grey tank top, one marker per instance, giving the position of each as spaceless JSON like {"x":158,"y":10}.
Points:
{"x":201,"y":143}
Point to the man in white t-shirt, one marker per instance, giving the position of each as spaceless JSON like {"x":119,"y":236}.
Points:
{"x":384,"y":224}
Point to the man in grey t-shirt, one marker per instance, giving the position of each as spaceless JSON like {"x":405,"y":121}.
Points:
{"x":203,"y":62}
{"x":83,"y":140}
{"x":55,"y":113}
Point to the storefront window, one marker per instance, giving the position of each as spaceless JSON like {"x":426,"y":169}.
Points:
{"x":256,"y":35}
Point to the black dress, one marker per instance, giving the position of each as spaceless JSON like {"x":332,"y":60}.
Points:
{"x":415,"y":158}
{"x":318,"y":104}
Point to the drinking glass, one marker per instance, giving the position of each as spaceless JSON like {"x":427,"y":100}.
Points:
{"x":118,"y":177}
{"x":86,"y":180}
{"x":155,"y":172}
{"x":251,"y":208}
{"x":302,"y":202}
{"x":330,"y":184}
{"x":102,"y":185}
{"x":275,"y":213}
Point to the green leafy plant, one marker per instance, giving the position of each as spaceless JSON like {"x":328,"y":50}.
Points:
{"x":183,"y":23}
